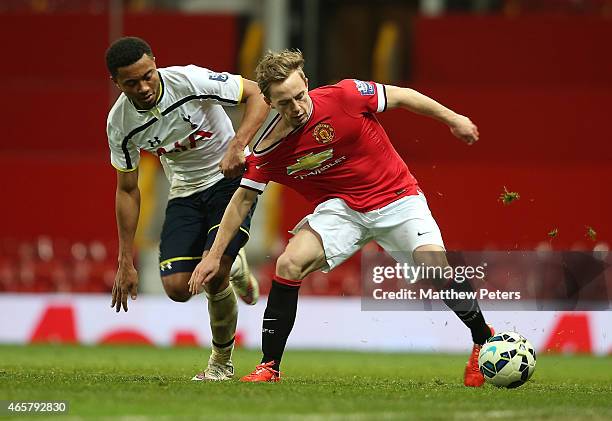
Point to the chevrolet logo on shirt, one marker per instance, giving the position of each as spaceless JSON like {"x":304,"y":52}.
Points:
{"x":310,"y":161}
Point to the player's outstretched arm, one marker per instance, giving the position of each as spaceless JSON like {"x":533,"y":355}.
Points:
{"x":409,"y":99}
{"x":236,"y":211}
{"x":256,"y":110}
{"x":127,"y":208}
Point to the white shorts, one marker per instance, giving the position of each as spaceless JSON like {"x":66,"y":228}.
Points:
{"x":399,"y":228}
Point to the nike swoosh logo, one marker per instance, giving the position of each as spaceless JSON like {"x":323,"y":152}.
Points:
{"x":259,"y":166}
{"x":422,"y":233}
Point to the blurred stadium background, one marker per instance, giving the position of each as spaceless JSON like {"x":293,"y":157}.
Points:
{"x":534,"y":75}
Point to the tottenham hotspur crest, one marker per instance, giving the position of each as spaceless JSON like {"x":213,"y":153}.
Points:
{"x":187,"y":119}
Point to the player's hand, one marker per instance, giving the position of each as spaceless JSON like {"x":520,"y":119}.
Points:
{"x":126,"y":284}
{"x":233,"y":163}
{"x":463,"y":128}
{"x":203,"y":273}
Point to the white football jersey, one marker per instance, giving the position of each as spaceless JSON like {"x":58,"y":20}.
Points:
{"x":188,"y":128}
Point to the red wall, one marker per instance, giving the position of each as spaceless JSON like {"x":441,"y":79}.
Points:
{"x":519,"y":52}
{"x":68,"y":195}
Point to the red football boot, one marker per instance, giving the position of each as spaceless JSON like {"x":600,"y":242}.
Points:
{"x":472,"y":376}
{"x":263,"y":373}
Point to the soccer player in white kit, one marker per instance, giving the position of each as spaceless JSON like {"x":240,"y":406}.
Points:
{"x":328,"y":145}
{"x":176,"y":113}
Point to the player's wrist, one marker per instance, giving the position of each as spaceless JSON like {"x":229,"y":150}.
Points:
{"x":239,"y":142}
{"x":453,"y":120}
{"x":125,"y":260}
{"x":214,"y":254}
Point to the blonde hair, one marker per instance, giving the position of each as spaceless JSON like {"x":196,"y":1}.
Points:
{"x":276,"y":67}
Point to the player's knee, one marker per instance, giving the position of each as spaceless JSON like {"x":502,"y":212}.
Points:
{"x":289,"y":267}
{"x":217,"y":284}
{"x":427,"y":255}
{"x":177,"y":287}
{"x":221,"y":280}
{"x":178,"y":295}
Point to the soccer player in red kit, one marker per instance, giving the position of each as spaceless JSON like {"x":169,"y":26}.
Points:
{"x":328,"y":145}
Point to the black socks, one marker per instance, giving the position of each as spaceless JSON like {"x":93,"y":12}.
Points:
{"x":279,"y":318}
{"x":468,"y":311}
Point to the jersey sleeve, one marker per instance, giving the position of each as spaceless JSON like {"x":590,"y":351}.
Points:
{"x":256,"y":177}
{"x":125,"y":156}
{"x":363,"y":97}
{"x":220,"y":88}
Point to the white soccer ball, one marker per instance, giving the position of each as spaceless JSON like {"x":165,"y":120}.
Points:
{"x":507,"y":359}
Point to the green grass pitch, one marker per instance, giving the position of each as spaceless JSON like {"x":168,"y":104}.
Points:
{"x":140,"y":383}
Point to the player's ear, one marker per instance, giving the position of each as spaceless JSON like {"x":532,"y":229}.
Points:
{"x":114,"y":81}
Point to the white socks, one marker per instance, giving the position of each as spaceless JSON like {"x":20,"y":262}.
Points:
{"x":223,"y":312}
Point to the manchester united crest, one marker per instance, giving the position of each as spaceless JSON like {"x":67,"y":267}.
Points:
{"x":323,"y":133}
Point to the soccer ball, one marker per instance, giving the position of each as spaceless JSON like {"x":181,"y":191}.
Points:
{"x":507,"y":360}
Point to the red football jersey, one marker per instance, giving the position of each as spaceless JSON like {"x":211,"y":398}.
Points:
{"x":342,"y":151}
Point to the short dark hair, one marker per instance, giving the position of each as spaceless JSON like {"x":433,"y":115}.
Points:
{"x":126,"y":51}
